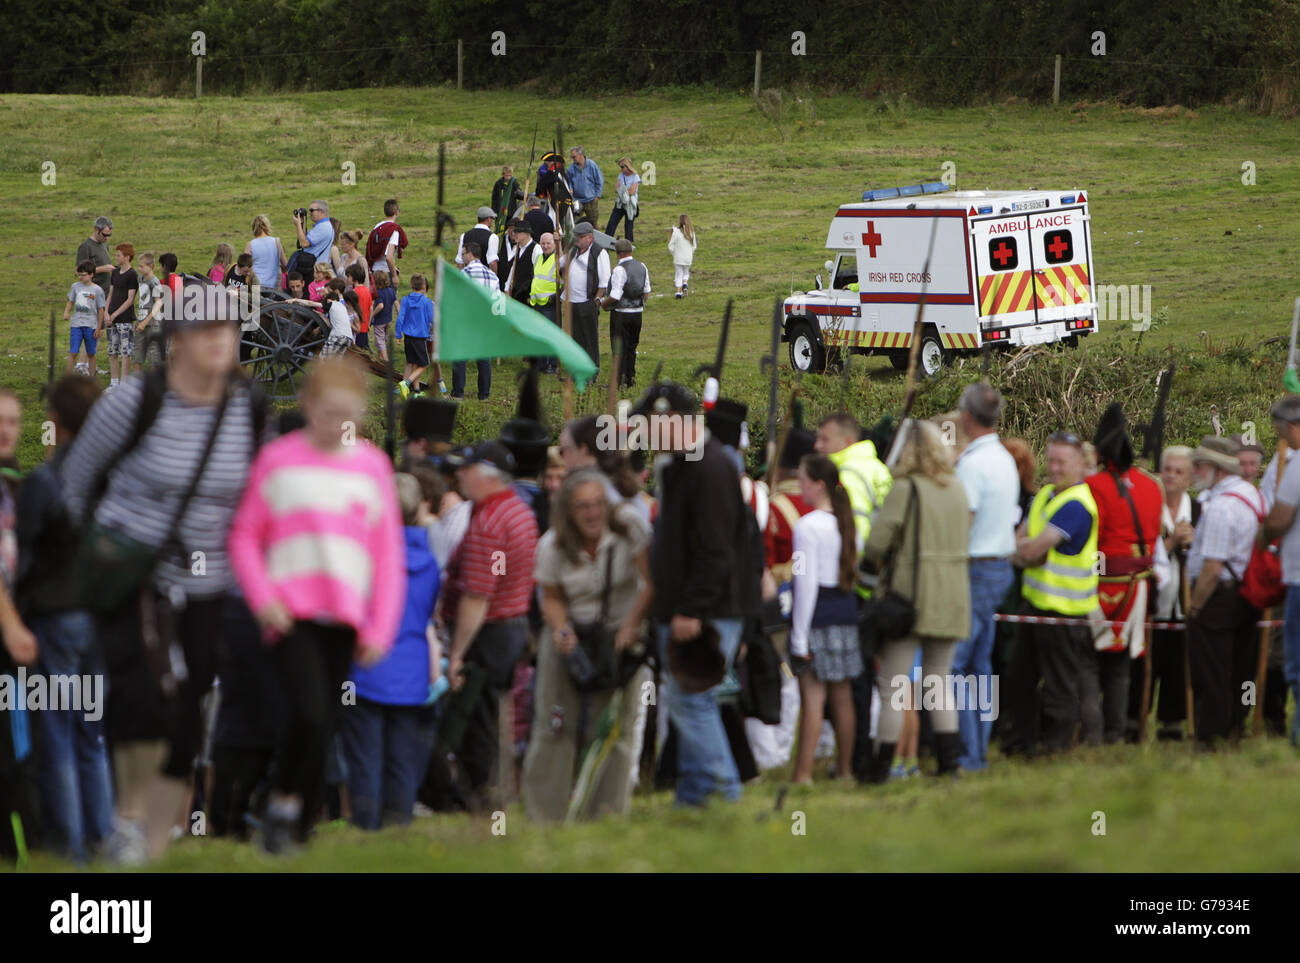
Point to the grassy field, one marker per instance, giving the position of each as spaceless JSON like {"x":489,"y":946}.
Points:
{"x":1168,"y":204}
{"x":1166,"y":809}
{"x":1169,"y":210}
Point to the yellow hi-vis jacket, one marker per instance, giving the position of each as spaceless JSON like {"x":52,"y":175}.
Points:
{"x":1065,"y":584}
{"x":543,"y":288}
{"x":867,"y":481}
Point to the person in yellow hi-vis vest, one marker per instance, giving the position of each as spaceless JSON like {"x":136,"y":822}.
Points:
{"x":867,"y":481}
{"x":1056,"y":545}
{"x":541,"y":295}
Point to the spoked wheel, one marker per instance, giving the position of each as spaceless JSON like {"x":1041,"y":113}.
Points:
{"x":276,"y":352}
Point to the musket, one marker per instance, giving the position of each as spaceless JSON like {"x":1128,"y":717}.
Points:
{"x":532,"y":156}
{"x":1153,"y":444}
{"x":714,"y":371}
{"x":769,"y":363}
{"x":443,"y":219}
{"x":914,"y":354}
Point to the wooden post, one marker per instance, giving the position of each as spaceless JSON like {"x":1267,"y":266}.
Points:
{"x":460,"y":64}
{"x":1056,"y":82}
{"x":758,"y":71}
{"x":566,"y":308}
{"x":198,"y":77}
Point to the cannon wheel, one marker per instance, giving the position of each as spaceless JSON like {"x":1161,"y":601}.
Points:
{"x":275,"y":354}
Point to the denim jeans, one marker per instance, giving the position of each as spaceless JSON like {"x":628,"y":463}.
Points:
{"x":458,"y":369}
{"x":704,"y":761}
{"x":1291,"y":654}
{"x":76,"y":784}
{"x":989,"y":582}
{"x":387,"y":749}
{"x":618,"y":214}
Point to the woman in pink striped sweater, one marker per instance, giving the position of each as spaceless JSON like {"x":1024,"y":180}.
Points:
{"x":317,"y":549}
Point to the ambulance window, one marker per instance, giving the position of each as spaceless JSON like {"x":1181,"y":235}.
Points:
{"x":846,"y":271}
{"x":1003,"y":255}
{"x":1058,"y":247}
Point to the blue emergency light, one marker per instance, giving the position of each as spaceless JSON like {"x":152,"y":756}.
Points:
{"x":1067,"y":199}
{"x":986,"y":209}
{"x":911,"y":190}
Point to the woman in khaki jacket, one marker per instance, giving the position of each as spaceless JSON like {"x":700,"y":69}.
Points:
{"x":925,"y":467}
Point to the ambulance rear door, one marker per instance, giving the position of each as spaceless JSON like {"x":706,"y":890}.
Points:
{"x":1004,"y":269}
{"x":1062,"y":275}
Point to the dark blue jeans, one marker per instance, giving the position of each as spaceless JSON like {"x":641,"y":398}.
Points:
{"x":616,"y":215}
{"x":458,"y":369}
{"x":387,"y":750}
{"x":76,"y":784}
{"x":972,"y":662}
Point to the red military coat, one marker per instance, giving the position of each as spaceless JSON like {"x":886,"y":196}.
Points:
{"x":1125,"y":563}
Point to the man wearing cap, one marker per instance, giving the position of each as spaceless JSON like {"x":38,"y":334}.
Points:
{"x":483,"y":235}
{"x":1128,"y":524}
{"x":1056,"y":546}
{"x":1221,"y":642}
{"x":988,"y":473}
{"x":629,"y":286}
{"x":1281,"y":523}
{"x":488,"y":590}
{"x":700,"y":577}
{"x":522,"y":254}
{"x":587,"y":182}
{"x":586,"y":287}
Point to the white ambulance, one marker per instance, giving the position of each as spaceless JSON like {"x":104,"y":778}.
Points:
{"x":1009,"y":268}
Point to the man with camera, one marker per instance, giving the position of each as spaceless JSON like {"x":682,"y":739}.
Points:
{"x":313,"y":243}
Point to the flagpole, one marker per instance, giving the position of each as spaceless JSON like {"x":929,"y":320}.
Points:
{"x":567,"y":308}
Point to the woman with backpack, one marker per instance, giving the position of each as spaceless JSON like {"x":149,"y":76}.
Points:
{"x":154,"y":476}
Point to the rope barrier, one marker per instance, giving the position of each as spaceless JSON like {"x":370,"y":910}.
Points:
{"x":1054,"y":620}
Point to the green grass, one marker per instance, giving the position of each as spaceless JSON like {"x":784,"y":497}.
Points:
{"x":1167,"y":809}
{"x":1165,"y":188}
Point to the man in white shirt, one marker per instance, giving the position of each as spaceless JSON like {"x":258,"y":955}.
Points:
{"x":988,"y":473}
{"x":585,"y":288}
{"x":629,"y":286}
{"x":1221,"y":637}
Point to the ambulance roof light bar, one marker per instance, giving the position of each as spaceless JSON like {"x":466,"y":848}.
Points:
{"x":911,"y":190}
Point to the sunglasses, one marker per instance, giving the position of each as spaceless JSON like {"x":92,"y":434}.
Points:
{"x":1065,"y":438}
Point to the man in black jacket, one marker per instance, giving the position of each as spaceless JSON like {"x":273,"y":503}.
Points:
{"x":701,"y":578}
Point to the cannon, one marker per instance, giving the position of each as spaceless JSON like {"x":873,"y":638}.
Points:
{"x":276,"y":345}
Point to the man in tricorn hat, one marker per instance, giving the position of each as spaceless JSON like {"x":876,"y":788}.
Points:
{"x":1128,"y":535}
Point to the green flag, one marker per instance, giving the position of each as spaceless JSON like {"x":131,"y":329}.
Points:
{"x":474,"y":323}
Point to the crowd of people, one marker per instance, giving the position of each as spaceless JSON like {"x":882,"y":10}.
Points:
{"x":289,"y":628}
{"x":351,"y":278}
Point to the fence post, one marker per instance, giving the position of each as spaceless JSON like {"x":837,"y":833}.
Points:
{"x":198,"y":77}
{"x":460,"y":64}
{"x":1056,"y":83}
{"x":758,"y":71}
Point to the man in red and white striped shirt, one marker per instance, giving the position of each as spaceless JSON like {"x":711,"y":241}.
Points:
{"x":488,"y":589}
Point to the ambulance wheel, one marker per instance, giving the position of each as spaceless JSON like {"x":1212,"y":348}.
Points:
{"x":806,"y":352}
{"x":933,"y":356}
{"x":898,"y":357}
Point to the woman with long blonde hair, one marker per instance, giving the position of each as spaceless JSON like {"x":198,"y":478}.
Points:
{"x":920,"y":535}
{"x":269,"y":259}
{"x":681,"y":245}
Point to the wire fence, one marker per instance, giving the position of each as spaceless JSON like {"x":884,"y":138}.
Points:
{"x":932,"y":77}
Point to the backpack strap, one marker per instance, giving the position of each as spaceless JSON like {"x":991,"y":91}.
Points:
{"x":1137,"y":523}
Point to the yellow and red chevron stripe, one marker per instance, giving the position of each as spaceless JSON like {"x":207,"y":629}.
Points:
{"x":959,"y":340}
{"x":1055,"y":287}
{"x":1005,"y":293}
{"x":868,"y":339}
